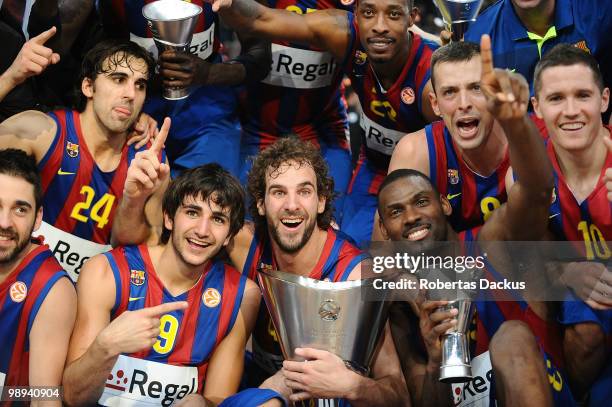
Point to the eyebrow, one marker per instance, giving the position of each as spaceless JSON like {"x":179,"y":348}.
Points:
{"x":19,"y":202}
{"x":303,"y":184}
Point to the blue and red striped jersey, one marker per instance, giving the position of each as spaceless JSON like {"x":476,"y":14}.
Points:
{"x":494,"y":307}
{"x":588,"y":223}
{"x":302,"y":93}
{"x":80,"y":198}
{"x":188,"y":337}
{"x":127,"y":15}
{"x":472,"y":196}
{"x":21,"y":296}
{"x":388,"y":114}
{"x":338,"y":258}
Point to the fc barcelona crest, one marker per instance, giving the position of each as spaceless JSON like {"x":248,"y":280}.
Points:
{"x":453,"y":176}
{"x":360,"y":57}
{"x":137,"y":277}
{"x":72,"y":149}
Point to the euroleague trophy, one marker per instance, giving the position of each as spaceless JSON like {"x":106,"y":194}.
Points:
{"x":457,"y":14}
{"x":172,"y":23}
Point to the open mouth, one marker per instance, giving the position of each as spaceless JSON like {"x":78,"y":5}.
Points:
{"x":468,"y":127}
{"x":292,"y":223}
{"x":198,"y":243}
{"x":417,"y":233}
{"x":572,"y":126}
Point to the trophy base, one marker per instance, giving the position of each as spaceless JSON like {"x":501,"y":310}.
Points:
{"x":455,"y":373}
{"x":176,"y":94}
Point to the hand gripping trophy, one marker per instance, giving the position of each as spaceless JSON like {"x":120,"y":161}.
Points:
{"x":457,"y":14}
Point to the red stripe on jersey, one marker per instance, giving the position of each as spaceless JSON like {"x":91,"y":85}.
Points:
{"x":48,"y":172}
{"x":470,"y":207}
{"x":317,"y":271}
{"x":230,"y":289}
{"x":124,"y":273}
{"x":19,"y":372}
{"x":378,"y":179}
{"x":184,"y":345}
{"x":346,"y":254}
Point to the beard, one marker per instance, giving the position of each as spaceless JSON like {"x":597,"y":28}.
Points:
{"x":294,"y":244}
{"x":9,"y":255}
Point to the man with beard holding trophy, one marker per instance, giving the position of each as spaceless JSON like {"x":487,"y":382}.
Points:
{"x":521,"y":348}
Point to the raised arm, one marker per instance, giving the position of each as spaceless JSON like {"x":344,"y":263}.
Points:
{"x":139,"y":214}
{"x":325,"y":29}
{"x":525,"y":215}
{"x":30,"y":131}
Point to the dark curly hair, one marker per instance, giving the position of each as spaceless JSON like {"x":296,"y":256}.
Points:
{"x":211,"y":182}
{"x":271,"y":159}
{"x":117,"y":52}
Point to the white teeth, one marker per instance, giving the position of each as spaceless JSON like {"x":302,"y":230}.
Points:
{"x":572,"y":126}
{"x":198,"y":243}
{"x":292,"y":221}
{"x":6,"y":238}
{"x":419,"y":234}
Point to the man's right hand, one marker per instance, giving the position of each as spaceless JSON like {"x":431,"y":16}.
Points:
{"x":434,"y":323}
{"x":134,"y":331}
{"x":33,"y":58}
{"x":591,"y":282}
{"x":146,"y":173}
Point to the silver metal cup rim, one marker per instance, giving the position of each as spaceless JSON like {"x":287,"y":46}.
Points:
{"x":196,"y":11}
{"x":313,"y":283}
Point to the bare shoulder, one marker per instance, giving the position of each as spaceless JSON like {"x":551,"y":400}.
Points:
{"x":411,"y":152}
{"x":32,"y":131}
{"x":96,"y":282}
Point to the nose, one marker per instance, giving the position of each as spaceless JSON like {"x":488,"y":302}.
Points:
{"x":129,"y":91}
{"x":291,"y":202}
{"x":5,"y":219}
{"x":571,"y":107}
{"x":465,"y":102}
{"x":203,"y":228}
{"x":411,"y":216}
{"x":380,"y":26}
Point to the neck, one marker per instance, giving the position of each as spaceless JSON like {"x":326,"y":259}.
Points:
{"x":305,"y":259}
{"x":538,"y":20}
{"x":486,"y":158}
{"x":177,"y":276}
{"x":388,"y":72}
{"x":581,"y":169}
{"x":100,"y":141}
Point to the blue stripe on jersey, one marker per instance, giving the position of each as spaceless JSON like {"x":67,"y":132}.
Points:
{"x":431,"y":149}
{"x":353,"y":263}
{"x":205,"y":335}
{"x":11,"y":311}
{"x":49,"y":153}
{"x":117,"y":277}
{"x":136,"y":262}
{"x":237,"y":303}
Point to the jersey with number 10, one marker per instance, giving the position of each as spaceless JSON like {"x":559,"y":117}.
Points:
{"x":588,"y":223}
{"x":21,"y":295}
{"x":472,"y":196}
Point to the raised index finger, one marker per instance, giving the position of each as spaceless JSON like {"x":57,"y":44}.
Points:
{"x":165,"y":308}
{"x":486,"y":55}
{"x":44,"y":36}
{"x":158,"y":143}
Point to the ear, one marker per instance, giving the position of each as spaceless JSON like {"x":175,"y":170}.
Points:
{"x":447,"y":209}
{"x":39,"y":217}
{"x":414,"y":13}
{"x":536,"y":106}
{"x":227,"y":240}
{"x":168,"y":223}
{"x":321,"y":205}
{"x":87,"y":87}
{"x":605,"y":99}
{"x":433,"y":100}
{"x":383,"y":229}
{"x":261,"y":207}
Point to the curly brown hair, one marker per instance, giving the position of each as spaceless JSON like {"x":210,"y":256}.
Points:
{"x":271,"y":159}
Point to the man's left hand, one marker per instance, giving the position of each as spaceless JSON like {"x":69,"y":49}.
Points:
{"x":323,"y":375}
{"x":182,"y":69}
{"x":144,"y":130}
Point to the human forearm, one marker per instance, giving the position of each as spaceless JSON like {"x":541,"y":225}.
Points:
{"x":242,"y":15}
{"x":386,"y":391}
{"x":130,"y":225}
{"x":434,"y":393}
{"x":528,"y":157}
{"x":7,"y":84}
{"x":85,"y":377}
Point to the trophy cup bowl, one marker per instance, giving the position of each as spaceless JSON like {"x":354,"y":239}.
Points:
{"x":172,"y":23}
{"x":324,"y":315}
{"x":455,"y":366}
{"x":457,"y":14}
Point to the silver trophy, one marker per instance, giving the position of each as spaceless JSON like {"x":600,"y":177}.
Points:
{"x":325,"y":315}
{"x":172,"y":23}
{"x":455,"y":366}
{"x":457,"y":14}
